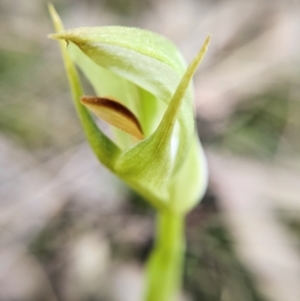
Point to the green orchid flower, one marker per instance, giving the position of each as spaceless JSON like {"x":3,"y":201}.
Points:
{"x":143,"y":90}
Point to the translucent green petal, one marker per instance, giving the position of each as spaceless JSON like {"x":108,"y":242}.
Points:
{"x":189,"y":184}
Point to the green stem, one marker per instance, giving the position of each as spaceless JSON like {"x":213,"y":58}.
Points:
{"x":164,"y":269}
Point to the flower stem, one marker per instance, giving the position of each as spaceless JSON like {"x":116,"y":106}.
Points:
{"x":164,"y":269}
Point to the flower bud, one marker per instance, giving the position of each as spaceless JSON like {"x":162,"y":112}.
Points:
{"x":143,"y":90}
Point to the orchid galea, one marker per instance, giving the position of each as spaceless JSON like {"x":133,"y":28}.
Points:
{"x":143,"y":90}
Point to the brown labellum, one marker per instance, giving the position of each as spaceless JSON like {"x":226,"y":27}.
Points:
{"x":115,"y":114}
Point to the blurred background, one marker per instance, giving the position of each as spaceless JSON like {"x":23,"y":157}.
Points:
{"x":70,"y":231}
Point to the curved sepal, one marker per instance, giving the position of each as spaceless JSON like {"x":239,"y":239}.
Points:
{"x":104,"y":148}
{"x":150,"y":162}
